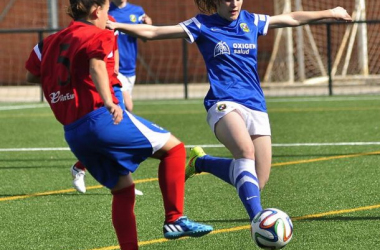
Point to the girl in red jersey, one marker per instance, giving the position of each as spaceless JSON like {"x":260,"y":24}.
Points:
{"x":78,"y":170}
{"x":71,"y":67}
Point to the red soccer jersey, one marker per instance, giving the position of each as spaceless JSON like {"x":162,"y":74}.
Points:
{"x":111,"y":58}
{"x":62,"y":62}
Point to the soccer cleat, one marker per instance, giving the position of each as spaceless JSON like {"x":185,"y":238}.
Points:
{"x":78,"y":179}
{"x":190,"y":170}
{"x":138,"y":192}
{"x":184,"y":227}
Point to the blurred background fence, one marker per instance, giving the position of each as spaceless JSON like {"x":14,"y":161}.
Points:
{"x":320,"y":59}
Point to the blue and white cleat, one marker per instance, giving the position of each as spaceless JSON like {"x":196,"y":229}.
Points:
{"x":190,"y":169}
{"x":184,"y":227}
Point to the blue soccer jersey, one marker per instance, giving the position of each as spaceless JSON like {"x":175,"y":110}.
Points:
{"x":230,"y":53}
{"x":131,"y":14}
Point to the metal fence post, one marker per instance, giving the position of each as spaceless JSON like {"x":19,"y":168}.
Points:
{"x":185,"y":70}
{"x":40,"y":38}
{"x":328,"y":27}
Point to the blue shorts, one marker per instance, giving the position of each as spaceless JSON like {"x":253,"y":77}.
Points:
{"x":109,"y":151}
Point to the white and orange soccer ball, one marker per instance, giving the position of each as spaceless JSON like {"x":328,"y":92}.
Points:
{"x":271,"y":229}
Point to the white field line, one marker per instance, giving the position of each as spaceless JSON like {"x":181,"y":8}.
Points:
{"x":215,"y":146}
{"x":29,"y":106}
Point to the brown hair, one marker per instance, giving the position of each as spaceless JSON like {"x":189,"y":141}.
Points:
{"x":79,"y":9}
{"x":207,"y":6}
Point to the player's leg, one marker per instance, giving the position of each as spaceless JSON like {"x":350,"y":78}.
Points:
{"x":131,"y":85}
{"x":171,"y":179}
{"x":123,"y":216}
{"x":231,"y":131}
{"x":97,"y":143}
{"x":128,"y":101}
{"x":127,"y":88}
{"x":263,"y":156}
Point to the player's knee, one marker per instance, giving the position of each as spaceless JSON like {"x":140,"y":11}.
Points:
{"x":178,"y":150}
{"x":244,"y":153}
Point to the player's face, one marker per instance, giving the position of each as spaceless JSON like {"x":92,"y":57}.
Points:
{"x":103,"y":15}
{"x":229,"y":9}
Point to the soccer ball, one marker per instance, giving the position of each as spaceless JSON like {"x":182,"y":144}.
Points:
{"x":271,"y":229}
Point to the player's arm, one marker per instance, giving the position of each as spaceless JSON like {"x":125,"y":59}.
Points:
{"x":33,"y":66}
{"x":117,"y":59}
{"x":149,"y":32}
{"x":298,"y":18}
{"x":32,"y":78}
{"x":100,"y":78}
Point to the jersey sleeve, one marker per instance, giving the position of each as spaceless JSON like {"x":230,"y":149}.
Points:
{"x":141,"y":15}
{"x":193,"y":28}
{"x":102,"y":45}
{"x":33,"y":64}
{"x":262,"y":23}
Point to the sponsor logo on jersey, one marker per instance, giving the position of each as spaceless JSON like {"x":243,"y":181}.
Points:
{"x":244,"y":27}
{"x":221,"y":48}
{"x":133,"y":18}
{"x":58,"y":97}
{"x":243,"y":48}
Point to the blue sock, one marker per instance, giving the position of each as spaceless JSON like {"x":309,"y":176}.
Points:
{"x":245,"y":180}
{"x":220,"y":167}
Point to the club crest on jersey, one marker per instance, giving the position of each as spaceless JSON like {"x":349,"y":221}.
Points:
{"x":133,"y":18}
{"x":244,"y":27}
{"x":221,"y":48}
{"x":221,"y":107}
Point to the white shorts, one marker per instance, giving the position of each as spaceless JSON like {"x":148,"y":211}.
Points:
{"x":257,"y":122}
{"x":127,"y":82}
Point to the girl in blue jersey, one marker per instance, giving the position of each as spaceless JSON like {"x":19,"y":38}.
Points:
{"x":227,"y":37}
{"x":125,"y":12}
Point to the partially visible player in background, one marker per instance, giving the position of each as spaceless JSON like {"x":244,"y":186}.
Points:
{"x":78,"y":170}
{"x":125,"y":12}
{"x":227,"y":37}
{"x":71,"y":67}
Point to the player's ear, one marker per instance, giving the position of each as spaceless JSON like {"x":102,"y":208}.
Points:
{"x":95,"y":12}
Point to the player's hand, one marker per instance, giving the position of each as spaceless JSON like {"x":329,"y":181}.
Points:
{"x":116,"y":112}
{"x":340,"y":13}
{"x":147,"y":20}
{"x":111,"y":25}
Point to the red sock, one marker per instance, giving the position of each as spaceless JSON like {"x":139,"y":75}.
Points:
{"x":171,"y":177}
{"x":79,"y":165}
{"x":123,"y":217}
